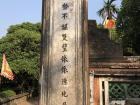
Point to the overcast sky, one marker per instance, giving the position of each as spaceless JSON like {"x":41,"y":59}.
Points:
{"x":18,"y":11}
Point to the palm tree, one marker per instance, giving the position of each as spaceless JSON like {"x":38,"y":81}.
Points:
{"x":109,"y":10}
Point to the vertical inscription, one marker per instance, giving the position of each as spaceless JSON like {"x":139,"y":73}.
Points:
{"x":63,"y":53}
{"x":65,"y":48}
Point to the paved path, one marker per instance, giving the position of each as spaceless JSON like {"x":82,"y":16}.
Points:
{"x":29,"y":102}
{"x":24,"y":103}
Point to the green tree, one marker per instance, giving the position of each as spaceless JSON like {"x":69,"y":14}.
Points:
{"x":128,"y":26}
{"x":109,"y":10}
{"x":22,"y":48}
{"x":27,"y":25}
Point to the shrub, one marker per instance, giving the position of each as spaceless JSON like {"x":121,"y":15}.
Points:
{"x":7,"y":93}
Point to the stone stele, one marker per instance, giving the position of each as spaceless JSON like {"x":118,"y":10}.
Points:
{"x":64,"y":53}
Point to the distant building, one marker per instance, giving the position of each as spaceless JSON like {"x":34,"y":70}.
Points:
{"x":114,"y":78}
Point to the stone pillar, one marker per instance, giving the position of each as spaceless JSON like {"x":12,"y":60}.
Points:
{"x":64,"y":53}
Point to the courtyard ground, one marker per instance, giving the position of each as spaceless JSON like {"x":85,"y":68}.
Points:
{"x":33,"y":101}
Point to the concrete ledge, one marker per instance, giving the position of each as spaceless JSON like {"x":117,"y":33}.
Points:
{"x":133,"y":101}
{"x":14,"y":99}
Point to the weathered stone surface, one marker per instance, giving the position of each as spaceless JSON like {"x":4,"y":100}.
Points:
{"x":64,"y":59}
{"x":135,"y":101}
{"x":122,"y":102}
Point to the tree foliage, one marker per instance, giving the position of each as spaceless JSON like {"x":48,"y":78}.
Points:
{"x":109,"y":10}
{"x":27,"y":26}
{"x":128,"y":26}
{"x":22,"y":48}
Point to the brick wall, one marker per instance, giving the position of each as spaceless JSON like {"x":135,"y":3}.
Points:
{"x":100,"y":46}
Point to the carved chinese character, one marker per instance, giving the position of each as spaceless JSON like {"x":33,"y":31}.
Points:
{"x":64,"y":15}
{"x":64,"y":26}
{"x":64,"y":59}
{"x":64,"y":94}
{"x":64,"y":36}
{"x":65,"y":6}
{"x":64,"y":81}
{"x":64,"y":46}
{"x":64,"y":103}
{"x":64,"y":69}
